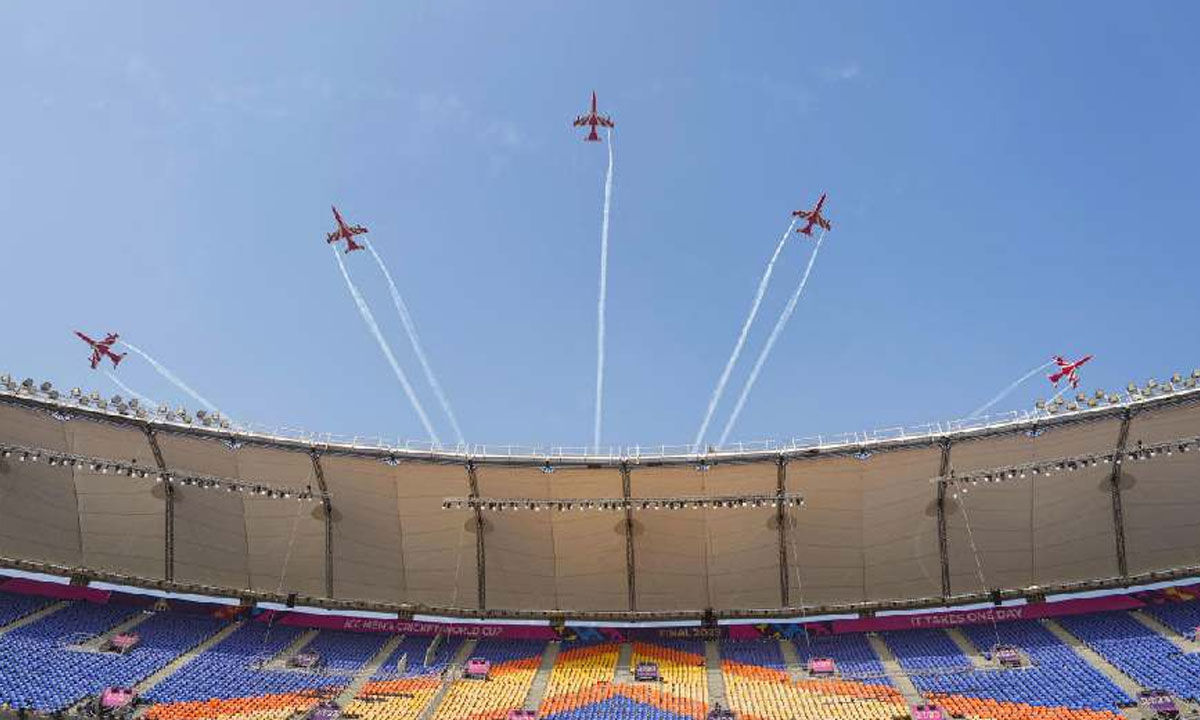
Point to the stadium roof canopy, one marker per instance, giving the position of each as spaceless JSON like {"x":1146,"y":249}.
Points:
{"x":1100,"y":497}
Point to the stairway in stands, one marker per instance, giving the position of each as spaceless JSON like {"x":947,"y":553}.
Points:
{"x":453,"y":672}
{"x":94,"y":644}
{"x":1093,"y":658}
{"x":33,"y":617}
{"x":892,"y":667}
{"x":280,"y":661}
{"x":175,"y":665}
{"x":624,"y":674}
{"x":791,"y":660}
{"x":1184,"y":644}
{"x":716,"y":681}
{"x":368,"y":669}
{"x":968,"y":648}
{"x":537,"y":689}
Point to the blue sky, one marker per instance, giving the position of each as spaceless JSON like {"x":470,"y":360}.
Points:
{"x":1006,"y":182}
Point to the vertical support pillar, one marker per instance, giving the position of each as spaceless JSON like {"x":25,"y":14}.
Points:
{"x":630,"y":575}
{"x":1114,"y":490}
{"x":168,"y":507}
{"x":480,"y":550}
{"x":327,"y":504}
{"x":943,"y":549}
{"x":781,"y":520}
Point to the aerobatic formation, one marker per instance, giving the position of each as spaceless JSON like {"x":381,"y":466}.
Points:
{"x":802,"y":222}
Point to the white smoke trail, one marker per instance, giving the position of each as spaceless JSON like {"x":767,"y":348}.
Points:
{"x":775,"y":333}
{"x":411,"y":328}
{"x":608,"y":182}
{"x":148,"y":402}
{"x":369,"y":319}
{"x":173,"y":379}
{"x":741,"y":340}
{"x":1004,"y":393}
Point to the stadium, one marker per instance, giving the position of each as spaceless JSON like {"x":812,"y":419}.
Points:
{"x":806,"y":580}
{"x":587,"y":227}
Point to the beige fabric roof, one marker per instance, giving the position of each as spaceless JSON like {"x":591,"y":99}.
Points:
{"x":869,"y":532}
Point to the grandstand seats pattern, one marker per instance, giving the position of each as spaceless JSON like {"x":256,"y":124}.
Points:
{"x":44,"y":670}
{"x":1182,"y":617}
{"x":514,"y":664}
{"x":1139,"y":652}
{"x":233,"y":680}
{"x":581,"y":676}
{"x":14,"y":607}
{"x":392,"y":695}
{"x":681,"y":666}
{"x":758,"y":686}
{"x":1059,"y":677}
{"x":852,"y":654}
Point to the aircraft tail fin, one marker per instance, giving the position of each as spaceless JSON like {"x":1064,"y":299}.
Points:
{"x":805,"y":230}
{"x":116,"y":359}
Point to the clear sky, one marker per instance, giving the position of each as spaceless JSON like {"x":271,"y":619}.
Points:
{"x":1006,"y":181}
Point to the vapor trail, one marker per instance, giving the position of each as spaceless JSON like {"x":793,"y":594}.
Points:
{"x":369,"y":319}
{"x":1004,"y":393}
{"x":600,"y":306}
{"x":411,"y":328}
{"x":775,"y":333}
{"x":741,"y":340}
{"x":173,"y":379}
{"x":151,"y":404}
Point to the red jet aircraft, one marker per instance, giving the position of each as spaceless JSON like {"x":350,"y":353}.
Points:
{"x":593,"y":119}
{"x":345,"y":232}
{"x":814,"y":217}
{"x":1068,"y":370}
{"x":102,"y":348}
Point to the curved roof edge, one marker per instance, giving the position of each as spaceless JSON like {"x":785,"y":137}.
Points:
{"x":846,"y":444}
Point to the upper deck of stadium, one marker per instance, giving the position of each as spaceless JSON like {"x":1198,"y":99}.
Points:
{"x":1031,"y":504}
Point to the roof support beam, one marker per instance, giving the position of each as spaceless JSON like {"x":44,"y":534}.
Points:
{"x":781,"y":519}
{"x":327,"y":504}
{"x":168,"y":507}
{"x":1114,"y":489}
{"x":943,"y":548}
{"x":480,"y":550}
{"x":630,"y":575}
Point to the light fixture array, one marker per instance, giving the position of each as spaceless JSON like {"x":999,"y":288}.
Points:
{"x":1133,"y":393}
{"x":1140,"y":451}
{"x":55,"y":458}
{"x":124,"y":406}
{"x":678,"y":502}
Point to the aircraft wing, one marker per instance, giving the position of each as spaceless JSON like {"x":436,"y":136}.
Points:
{"x":333,"y":236}
{"x":604,"y":121}
{"x":824,"y":223}
{"x":803,"y":214}
{"x":357,"y":229}
{"x":582,"y":120}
